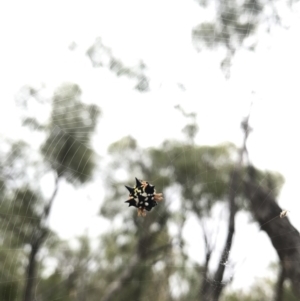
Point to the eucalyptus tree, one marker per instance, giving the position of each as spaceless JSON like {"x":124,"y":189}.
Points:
{"x":65,"y":153}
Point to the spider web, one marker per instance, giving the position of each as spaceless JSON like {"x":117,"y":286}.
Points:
{"x":123,"y":115}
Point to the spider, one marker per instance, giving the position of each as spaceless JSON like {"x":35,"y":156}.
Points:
{"x":283,"y":213}
{"x":143,"y":196}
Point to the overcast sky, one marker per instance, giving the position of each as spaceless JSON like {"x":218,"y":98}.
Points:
{"x":35,"y":39}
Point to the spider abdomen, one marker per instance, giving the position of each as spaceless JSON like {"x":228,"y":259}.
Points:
{"x":143,"y":196}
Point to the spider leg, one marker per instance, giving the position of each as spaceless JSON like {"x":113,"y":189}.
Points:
{"x":158,"y":197}
{"x":141,"y":212}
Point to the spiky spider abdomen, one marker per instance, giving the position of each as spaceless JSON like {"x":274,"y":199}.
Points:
{"x":143,"y":196}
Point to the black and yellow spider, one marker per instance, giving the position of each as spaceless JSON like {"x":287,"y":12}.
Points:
{"x":143,"y":196}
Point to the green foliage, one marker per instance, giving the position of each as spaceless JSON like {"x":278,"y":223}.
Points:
{"x":67,"y":146}
{"x":79,"y":273}
{"x":24,"y":211}
{"x":126,"y":155}
{"x":118,"y":248}
{"x":272,"y":181}
{"x":148,"y":238}
{"x":235,"y":24}
{"x":54,"y":288}
{"x":261,"y":290}
{"x":18,"y":218}
{"x":127,"y":143}
{"x":198,"y":176}
{"x":102,"y":56}
{"x":257,"y":293}
{"x":203,"y":172}
{"x":33,"y":124}
{"x":23,"y":214}
{"x":9,"y":290}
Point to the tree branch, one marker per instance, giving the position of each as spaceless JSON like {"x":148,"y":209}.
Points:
{"x":208,"y":250}
{"x":210,"y":291}
{"x":49,"y":205}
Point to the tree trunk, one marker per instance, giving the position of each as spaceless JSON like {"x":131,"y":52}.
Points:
{"x":30,"y":273}
{"x":284,"y":237}
{"x":36,"y":244}
{"x":279,"y":285}
{"x":211,"y":290}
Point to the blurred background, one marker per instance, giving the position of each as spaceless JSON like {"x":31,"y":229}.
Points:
{"x":200,"y":98}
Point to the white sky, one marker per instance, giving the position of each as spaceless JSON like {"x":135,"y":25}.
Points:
{"x":34,"y":41}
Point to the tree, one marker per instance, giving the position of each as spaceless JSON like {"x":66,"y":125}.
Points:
{"x":235,"y":25}
{"x":67,"y":155}
{"x":264,"y":207}
{"x":75,"y":275}
{"x":200,"y":177}
{"x":102,"y":56}
{"x":147,"y":241}
{"x":10,"y":255}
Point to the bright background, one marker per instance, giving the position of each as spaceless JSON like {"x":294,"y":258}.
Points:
{"x":35,"y":39}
